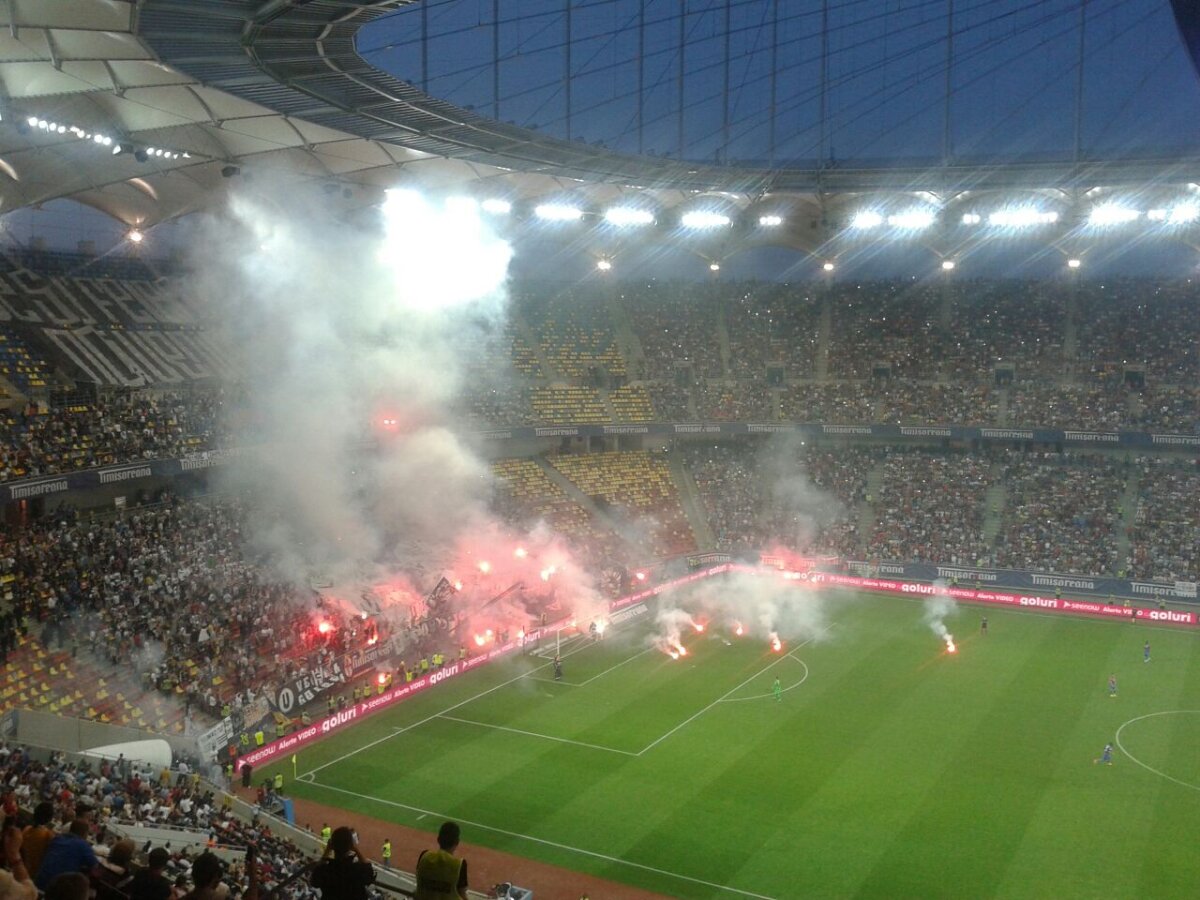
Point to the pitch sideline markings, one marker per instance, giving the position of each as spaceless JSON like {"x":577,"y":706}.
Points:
{"x":790,"y":687}
{"x":536,"y":840}
{"x":396,"y":731}
{"x":535,"y":734}
{"x":727,"y":694}
{"x":594,"y":677}
{"x":1148,"y":768}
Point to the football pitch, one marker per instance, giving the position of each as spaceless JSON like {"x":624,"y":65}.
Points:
{"x":887,"y":767}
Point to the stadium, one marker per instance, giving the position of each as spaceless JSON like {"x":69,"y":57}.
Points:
{"x":713,"y":449}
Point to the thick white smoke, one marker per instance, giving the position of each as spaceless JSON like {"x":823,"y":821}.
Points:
{"x":352,"y":338}
{"x":939,"y":607}
{"x":763,"y":606}
{"x":799,"y":508}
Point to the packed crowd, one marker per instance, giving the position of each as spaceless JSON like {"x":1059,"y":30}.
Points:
{"x":931,"y":507}
{"x":1061,"y":514}
{"x":1164,"y":535}
{"x":174,"y":590}
{"x":73,"y":814}
{"x":758,"y":495}
{"x":49,"y":440}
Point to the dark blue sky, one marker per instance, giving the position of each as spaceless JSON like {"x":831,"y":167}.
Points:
{"x":1013,"y":74}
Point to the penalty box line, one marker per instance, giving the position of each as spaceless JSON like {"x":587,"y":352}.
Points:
{"x":536,"y":840}
{"x":588,"y":681}
{"x":311,"y":773}
{"x":728,"y":694}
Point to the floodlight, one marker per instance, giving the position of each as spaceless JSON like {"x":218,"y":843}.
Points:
{"x":628,"y":215}
{"x":1074,"y":263}
{"x":33,"y":121}
{"x":947,"y":265}
{"x":704,"y":218}
{"x":912,"y":219}
{"x":867,"y":219}
{"x":971,"y":218}
{"x":828,"y":267}
{"x":1184,"y":213}
{"x":603,"y":265}
{"x":135,"y":236}
{"x":496,"y":206}
{"x":770,"y":221}
{"x":1112,"y":214}
{"x":1156,"y":215}
{"x":558,"y":212}
{"x":118,"y":149}
{"x":714,"y":267}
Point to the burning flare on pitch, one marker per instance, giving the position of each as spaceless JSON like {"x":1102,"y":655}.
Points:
{"x":776,"y":643}
{"x":951,"y":647}
{"x":738,"y":629}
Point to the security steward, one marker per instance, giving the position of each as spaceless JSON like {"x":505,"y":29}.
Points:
{"x":440,"y":874}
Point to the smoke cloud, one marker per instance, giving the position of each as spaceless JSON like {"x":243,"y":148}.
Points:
{"x":939,"y":607}
{"x":352,"y":339}
{"x":762,"y":606}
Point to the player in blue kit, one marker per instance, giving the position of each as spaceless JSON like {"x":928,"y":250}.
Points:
{"x":1105,"y":756}
{"x":1112,"y":685}
{"x":1146,"y":652}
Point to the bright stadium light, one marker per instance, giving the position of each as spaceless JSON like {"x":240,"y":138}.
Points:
{"x":947,"y":265}
{"x":704,"y":218}
{"x":1184,"y":213}
{"x":558,"y":212}
{"x":770,"y":221}
{"x":1179,"y":214}
{"x":912,"y":219}
{"x":971,"y":218}
{"x":604,"y":265}
{"x":135,"y":236}
{"x":1022,"y":217}
{"x":496,"y":206}
{"x":623,"y":216}
{"x":714,"y":267}
{"x":1112,"y":214}
{"x":1073,"y":263}
{"x":828,"y":267}
{"x":868,"y":218}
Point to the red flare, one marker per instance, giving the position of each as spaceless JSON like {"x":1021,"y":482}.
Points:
{"x":520,"y":553}
{"x":324,"y":627}
{"x":776,"y":644}
{"x":382,"y":679}
{"x":479,"y":640}
{"x":738,"y":629}
{"x":640,"y":576}
{"x":485,"y":567}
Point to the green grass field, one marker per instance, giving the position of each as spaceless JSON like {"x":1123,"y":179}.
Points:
{"x":888,"y":769}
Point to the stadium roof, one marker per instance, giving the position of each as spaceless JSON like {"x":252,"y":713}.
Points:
{"x":211,"y":86}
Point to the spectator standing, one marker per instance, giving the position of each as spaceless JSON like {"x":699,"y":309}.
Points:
{"x":342,"y":873}
{"x":68,"y":852}
{"x":37,"y":837}
{"x":440,"y":874}
{"x":149,"y":883}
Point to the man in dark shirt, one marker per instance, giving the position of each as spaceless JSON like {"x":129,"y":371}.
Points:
{"x":342,"y":873}
{"x":149,"y":883}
